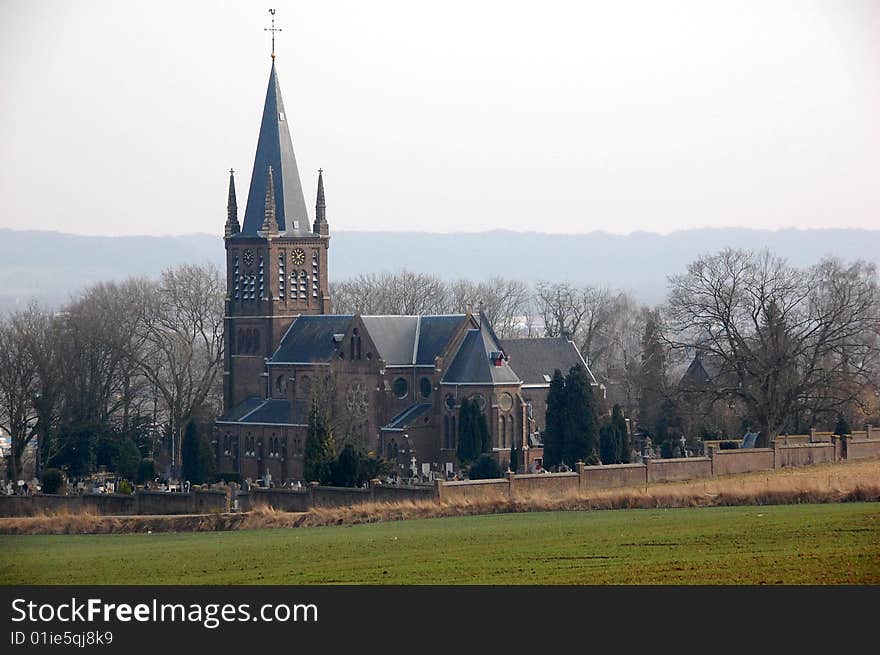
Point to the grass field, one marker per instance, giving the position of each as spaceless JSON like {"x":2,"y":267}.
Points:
{"x":791,"y":544}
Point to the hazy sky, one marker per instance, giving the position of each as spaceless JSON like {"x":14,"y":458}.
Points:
{"x":123,"y":117}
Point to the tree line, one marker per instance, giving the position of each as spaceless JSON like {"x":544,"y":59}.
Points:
{"x":743,"y":340}
{"x":116,"y":374}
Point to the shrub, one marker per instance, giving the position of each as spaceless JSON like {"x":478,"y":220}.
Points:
{"x":227,"y":477}
{"x":124,"y":487}
{"x":485,"y":468}
{"x":51,"y":480}
{"x":728,"y":445}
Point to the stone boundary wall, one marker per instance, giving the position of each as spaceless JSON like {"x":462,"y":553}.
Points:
{"x":482,"y":490}
{"x":205,"y":501}
{"x":746,"y":460}
{"x":784,"y":454}
{"x":678,"y":470}
{"x":611,"y":476}
{"x":804,"y":454}
{"x":862,"y":448}
{"x":795,"y":450}
{"x":558,"y":484}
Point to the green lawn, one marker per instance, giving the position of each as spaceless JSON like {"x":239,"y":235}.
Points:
{"x":792,"y":544}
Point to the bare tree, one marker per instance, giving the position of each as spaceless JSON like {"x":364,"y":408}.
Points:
{"x":582,"y":314}
{"x":403,"y":292}
{"x":506,"y":303}
{"x":786,"y":340}
{"x":181,"y":329}
{"x":19,"y":386}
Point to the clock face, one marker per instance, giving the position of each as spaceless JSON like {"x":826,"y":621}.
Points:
{"x":248,"y":257}
{"x":298,"y":256}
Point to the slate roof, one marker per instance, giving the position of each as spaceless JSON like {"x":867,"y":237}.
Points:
{"x":400,"y":340}
{"x":275,"y":411}
{"x":275,"y":149}
{"x":394,"y":337}
{"x":409,"y":416}
{"x":532,"y":359}
{"x":309,"y":339}
{"x":409,"y":340}
{"x":473,"y":365}
{"x":243,"y":408}
{"x":703,"y":369}
{"x":435,"y":333}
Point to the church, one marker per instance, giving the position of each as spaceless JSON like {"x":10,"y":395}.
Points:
{"x":393,"y":384}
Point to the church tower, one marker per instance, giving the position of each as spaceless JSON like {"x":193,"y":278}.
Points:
{"x":276,"y":260}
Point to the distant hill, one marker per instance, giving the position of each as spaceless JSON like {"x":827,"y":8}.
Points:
{"x":52,"y":266}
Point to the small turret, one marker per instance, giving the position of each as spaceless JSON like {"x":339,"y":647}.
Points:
{"x":321,"y":226}
{"x":232,"y":225}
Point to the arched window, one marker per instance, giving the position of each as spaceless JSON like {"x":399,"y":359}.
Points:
{"x":401,"y":388}
{"x":511,"y":435}
{"x":500,"y":438}
{"x":453,"y":435}
{"x":446,"y":432}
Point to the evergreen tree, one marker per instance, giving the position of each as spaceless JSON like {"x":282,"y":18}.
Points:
{"x":190,"y":452}
{"x":128,"y":456}
{"x":842,"y":426}
{"x":554,"y":430}
{"x":624,"y":448}
{"x":609,"y":442}
{"x":466,"y":448}
{"x":198,"y":460}
{"x":483,"y":436}
{"x":347,"y":467}
{"x":320,"y":447}
{"x":581,"y":441}
{"x":514,"y":455}
{"x":652,"y":377}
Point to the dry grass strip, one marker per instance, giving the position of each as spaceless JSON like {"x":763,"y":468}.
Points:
{"x":825,"y":483}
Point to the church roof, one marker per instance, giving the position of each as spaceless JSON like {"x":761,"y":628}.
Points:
{"x":394,"y":337}
{"x":275,"y":149}
{"x":408,"y":416}
{"x":309,"y":339}
{"x":272,"y":411}
{"x":399,"y":340}
{"x":533,"y":359}
{"x":242,"y":409}
{"x":412,"y":340}
{"x":479,"y":361}
{"x":703,"y":370}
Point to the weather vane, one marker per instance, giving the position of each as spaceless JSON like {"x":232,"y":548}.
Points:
{"x":272,"y":29}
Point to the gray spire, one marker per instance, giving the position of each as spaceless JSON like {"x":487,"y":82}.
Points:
{"x":321,"y":227}
{"x":232,"y":226}
{"x":270,"y":221}
{"x":275,"y":149}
